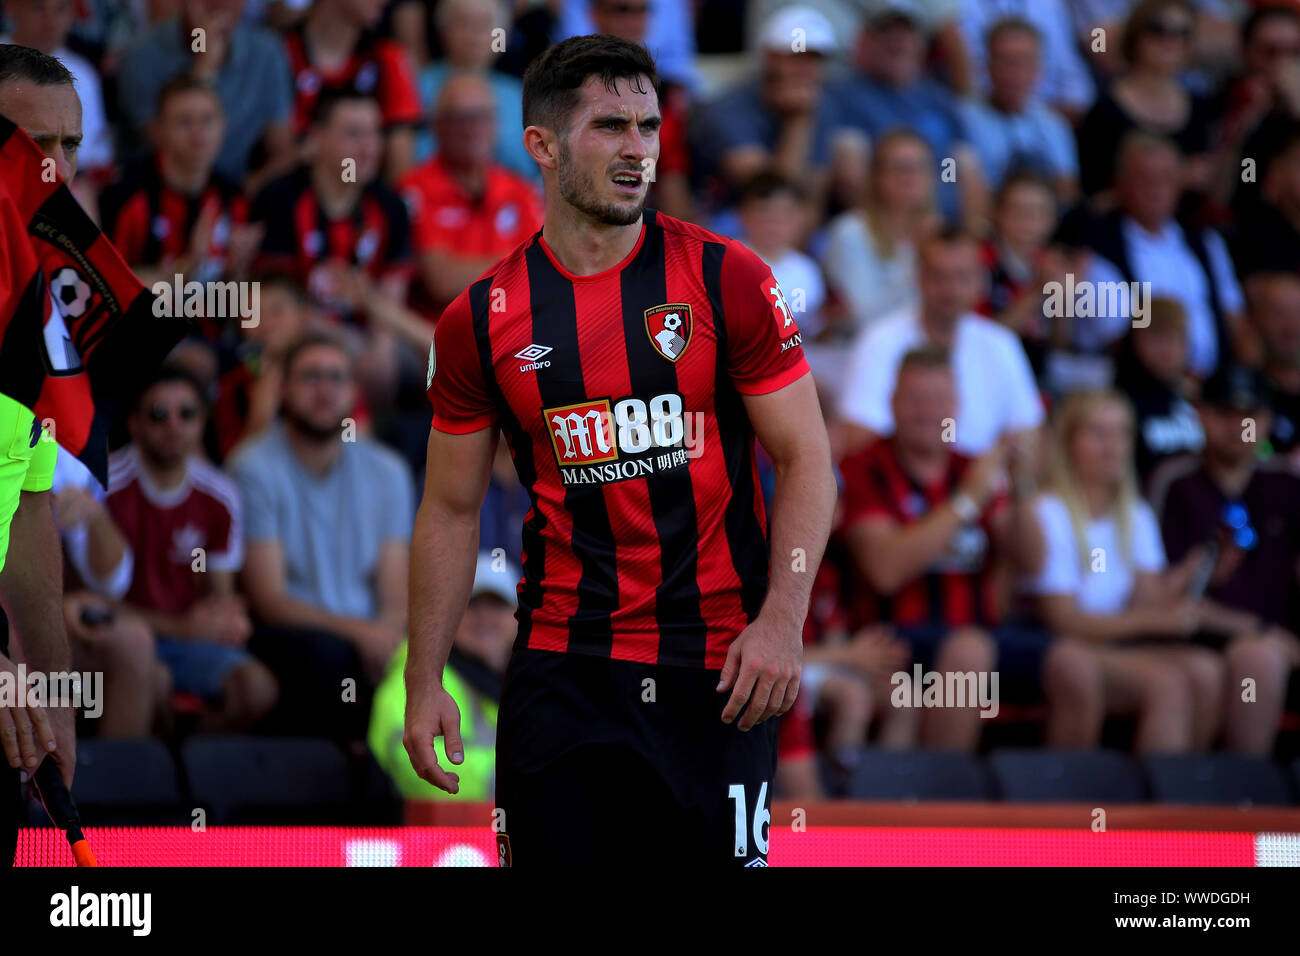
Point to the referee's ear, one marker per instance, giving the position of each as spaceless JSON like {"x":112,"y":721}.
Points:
{"x":543,"y":145}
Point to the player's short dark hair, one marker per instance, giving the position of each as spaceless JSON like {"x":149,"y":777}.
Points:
{"x":332,"y":98}
{"x":310,"y":340}
{"x":183,"y":83}
{"x":768,"y":183}
{"x":33,"y":66}
{"x":926,"y":357}
{"x":552,"y":81}
{"x":168,"y":374}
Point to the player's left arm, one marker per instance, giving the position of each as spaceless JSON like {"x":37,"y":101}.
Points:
{"x":764,"y":362}
{"x":765,"y":659}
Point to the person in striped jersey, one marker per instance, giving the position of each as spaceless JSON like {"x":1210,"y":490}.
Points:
{"x":630,"y":360}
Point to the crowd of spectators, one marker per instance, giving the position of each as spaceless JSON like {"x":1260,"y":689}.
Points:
{"x":1045,"y":257}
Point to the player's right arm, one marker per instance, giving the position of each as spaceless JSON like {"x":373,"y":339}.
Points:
{"x":443,"y":550}
{"x":444,"y":544}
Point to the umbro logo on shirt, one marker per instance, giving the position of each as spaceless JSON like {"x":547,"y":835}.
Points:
{"x":531,"y":357}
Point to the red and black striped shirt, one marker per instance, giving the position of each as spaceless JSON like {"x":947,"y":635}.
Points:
{"x":620,"y":395}
{"x":378,"y":67}
{"x":152,"y":224}
{"x":300,"y":237}
{"x":959,"y":587}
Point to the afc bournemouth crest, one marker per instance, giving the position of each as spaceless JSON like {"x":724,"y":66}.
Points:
{"x":669,"y":328}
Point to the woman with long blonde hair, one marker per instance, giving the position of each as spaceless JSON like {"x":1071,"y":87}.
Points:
{"x":1101,"y":577}
{"x":870,"y":258}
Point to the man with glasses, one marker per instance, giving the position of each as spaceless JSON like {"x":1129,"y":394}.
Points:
{"x":1244,"y":516}
{"x":181,"y":517}
{"x":328,"y":516}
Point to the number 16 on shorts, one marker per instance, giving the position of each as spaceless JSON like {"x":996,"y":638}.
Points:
{"x":760,"y":824}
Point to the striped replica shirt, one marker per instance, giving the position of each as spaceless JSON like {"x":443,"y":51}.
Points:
{"x":958,"y":587}
{"x":620,"y":395}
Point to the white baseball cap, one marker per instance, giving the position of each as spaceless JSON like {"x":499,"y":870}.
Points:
{"x":797,"y":29}
{"x":488,"y":580}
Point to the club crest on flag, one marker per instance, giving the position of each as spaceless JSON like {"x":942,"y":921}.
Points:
{"x":669,"y":327}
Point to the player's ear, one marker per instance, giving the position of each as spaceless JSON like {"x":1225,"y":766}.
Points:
{"x":543,"y":145}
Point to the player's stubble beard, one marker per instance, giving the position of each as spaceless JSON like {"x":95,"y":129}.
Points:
{"x":580,"y":193}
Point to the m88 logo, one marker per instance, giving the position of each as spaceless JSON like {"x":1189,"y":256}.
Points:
{"x":601,"y":430}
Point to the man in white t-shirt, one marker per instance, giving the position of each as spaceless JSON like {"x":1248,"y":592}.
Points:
{"x":996,"y":395}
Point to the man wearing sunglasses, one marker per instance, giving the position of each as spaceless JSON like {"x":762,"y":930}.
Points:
{"x":1243,"y":515}
{"x":183,"y":520}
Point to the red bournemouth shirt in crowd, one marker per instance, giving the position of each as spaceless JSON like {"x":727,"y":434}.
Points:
{"x":164,"y":526}
{"x":378,"y":67}
{"x":956,"y":589}
{"x":152,"y":224}
{"x":620,"y":395}
{"x":446,"y":218}
{"x":300,"y":237}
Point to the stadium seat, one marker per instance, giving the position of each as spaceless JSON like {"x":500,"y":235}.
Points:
{"x":1217,"y":778}
{"x":268,"y":780}
{"x":130,"y":782}
{"x":918,"y":775}
{"x":1067,"y":776}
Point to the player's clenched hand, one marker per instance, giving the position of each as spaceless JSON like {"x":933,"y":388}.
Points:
{"x":433,"y":713}
{"x":762,"y":667}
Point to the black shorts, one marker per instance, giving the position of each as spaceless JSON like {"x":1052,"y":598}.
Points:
{"x":605,"y":762}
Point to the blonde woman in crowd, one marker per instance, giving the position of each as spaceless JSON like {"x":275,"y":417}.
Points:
{"x":870,"y":260}
{"x":1101,"y":577}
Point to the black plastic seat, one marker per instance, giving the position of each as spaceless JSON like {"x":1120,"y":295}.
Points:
{"x":1067,"y":776}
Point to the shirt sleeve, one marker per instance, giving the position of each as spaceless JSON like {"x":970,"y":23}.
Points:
{"x":1060,"y":573}
{"x":226,"y":546}
{"x":863,"y":496}
{"x":399,"y":100}
{"x":1060,"y":145}
{"x":1023,"y":405}
{"x":1176,"y":525}
{"x":729,"y":123}
{"x":278,"y":92}
{"x":398,"y":253}
{"x":1148,"y":549}
{"x":400,"y":493}
{"x":869,"y":381}
{"x":257,"y":501}
{"x":127,"y":225}
{"x":457,"y":390}
{"x":1103,"y":328}
{"x":763,"y":339}
{"x":1225,"y":279}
